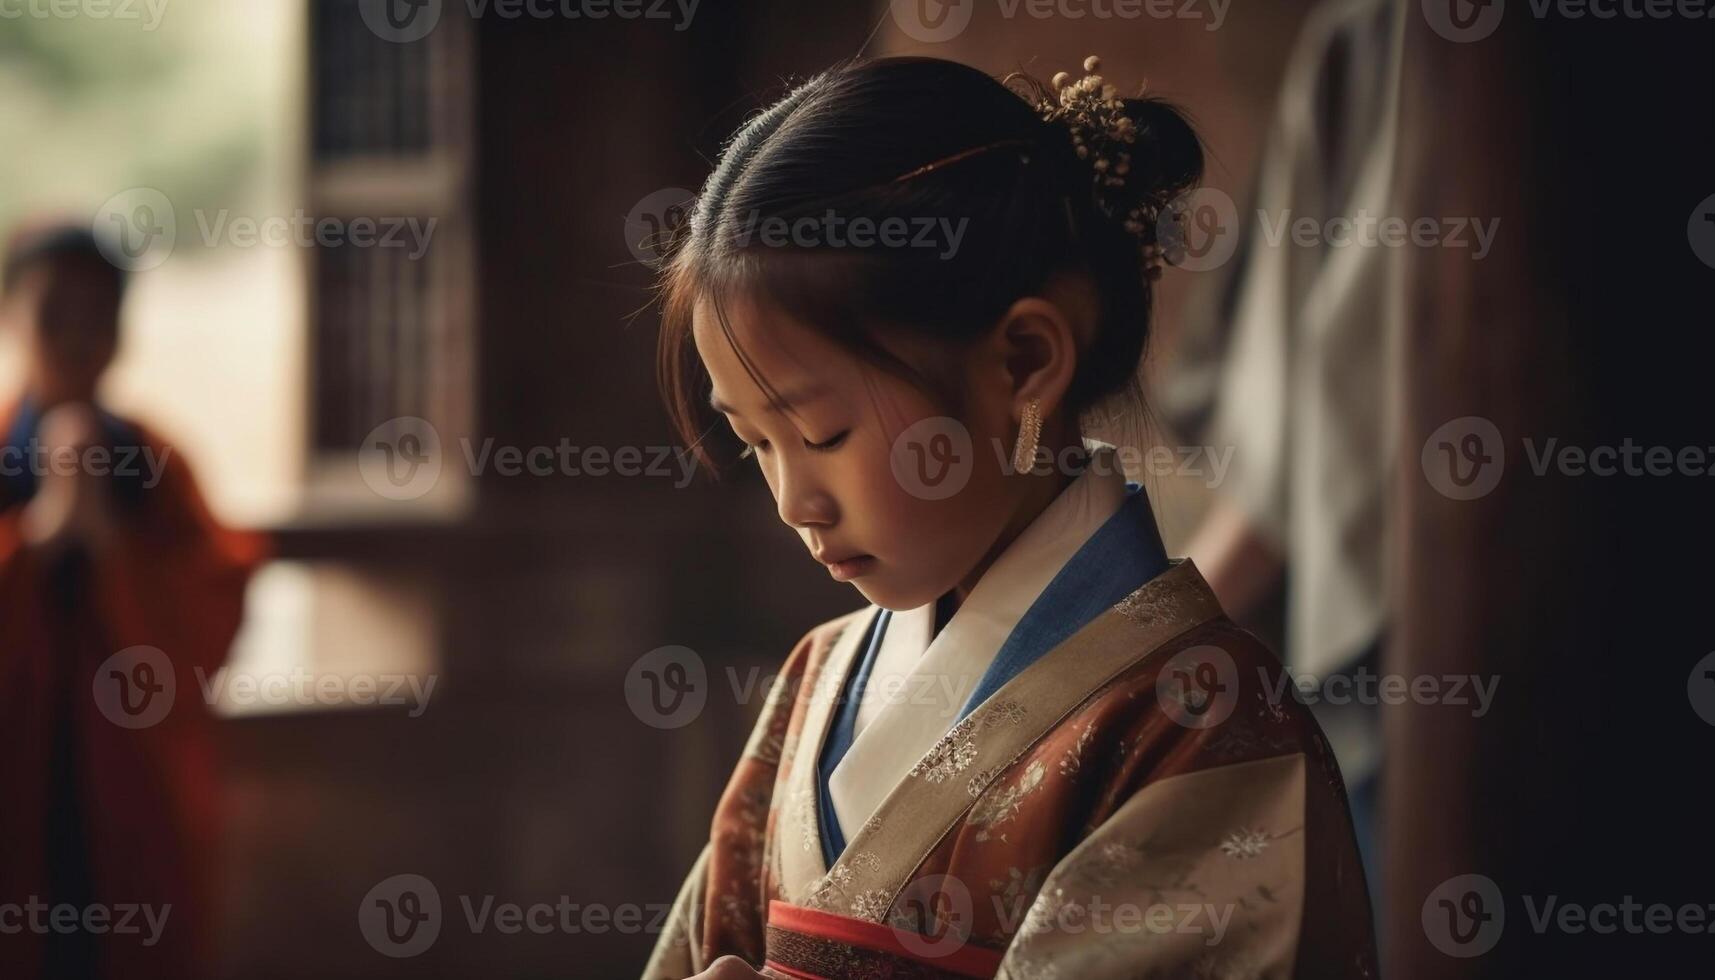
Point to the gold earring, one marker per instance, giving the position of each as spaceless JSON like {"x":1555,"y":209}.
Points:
{"x":1029,"y":431}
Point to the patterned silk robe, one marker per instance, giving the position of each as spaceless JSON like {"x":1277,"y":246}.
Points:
{"x":1146,"y":798}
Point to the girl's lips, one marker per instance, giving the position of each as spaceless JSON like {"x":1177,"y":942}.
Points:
{"x":850,"y":568}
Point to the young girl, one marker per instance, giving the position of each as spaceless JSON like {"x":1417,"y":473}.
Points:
{"x":1042,"y":750}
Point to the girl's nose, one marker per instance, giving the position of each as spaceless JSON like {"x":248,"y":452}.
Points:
{"x":802,"y":503}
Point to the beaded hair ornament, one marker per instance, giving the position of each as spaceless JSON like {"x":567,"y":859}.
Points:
{"x":1102,"y":135}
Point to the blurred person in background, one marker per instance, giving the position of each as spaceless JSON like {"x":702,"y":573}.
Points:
{"x":119,"y":594}
{"x":1290,"y":361}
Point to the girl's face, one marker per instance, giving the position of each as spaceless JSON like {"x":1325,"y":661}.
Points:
{"x":831,"y":460}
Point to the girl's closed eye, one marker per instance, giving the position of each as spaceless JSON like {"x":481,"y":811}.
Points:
{"x":827,"y":444}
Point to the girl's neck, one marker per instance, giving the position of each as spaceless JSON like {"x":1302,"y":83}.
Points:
{"x":1038,"y":492}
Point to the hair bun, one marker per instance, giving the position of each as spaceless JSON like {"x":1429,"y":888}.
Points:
{"x":1167,"y":157}
{"x":1138,"y":153}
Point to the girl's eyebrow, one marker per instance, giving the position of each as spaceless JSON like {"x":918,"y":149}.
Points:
{"x":786,"y":400}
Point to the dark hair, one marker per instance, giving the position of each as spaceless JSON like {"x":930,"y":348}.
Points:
{"x":840,"y":143}
{"x":57,"y":244}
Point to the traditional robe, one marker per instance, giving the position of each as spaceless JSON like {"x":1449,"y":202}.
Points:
{"x":96,"y":813}
{"x":1121,"y":784}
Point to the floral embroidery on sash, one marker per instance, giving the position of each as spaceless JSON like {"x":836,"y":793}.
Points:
{"x":949,"y":756}
{"x":809,"y":833}
{"x":1245,"y":843}
{"x":871,"y":905}
{"x":1163,"y":599}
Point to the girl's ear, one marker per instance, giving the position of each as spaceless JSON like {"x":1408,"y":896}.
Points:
{"x":1036,"y":342}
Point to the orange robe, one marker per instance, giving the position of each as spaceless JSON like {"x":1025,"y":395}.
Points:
{"x":96,"y":813}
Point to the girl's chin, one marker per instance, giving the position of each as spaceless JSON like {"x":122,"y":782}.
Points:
{"x":877,"y":590}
